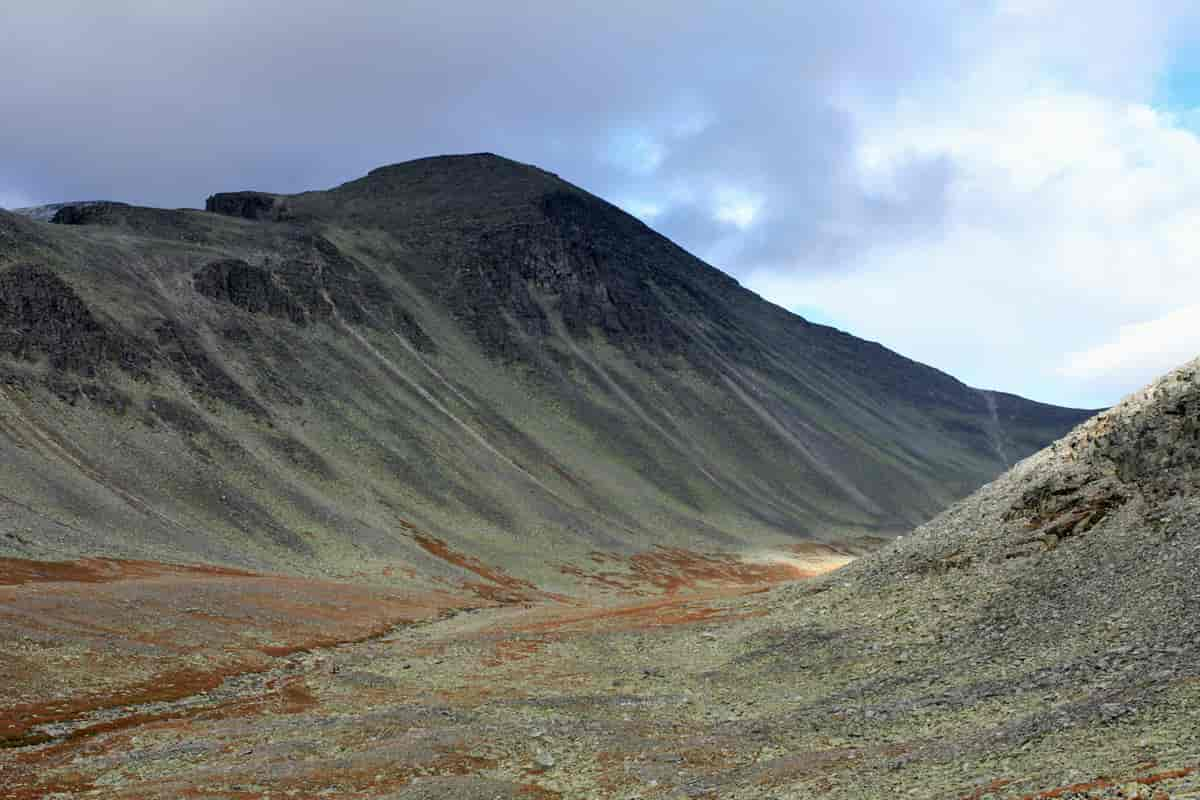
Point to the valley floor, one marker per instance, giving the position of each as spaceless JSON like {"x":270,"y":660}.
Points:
{"x":139,"y":680}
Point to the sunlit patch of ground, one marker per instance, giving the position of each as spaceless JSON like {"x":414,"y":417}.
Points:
{"x":669,"y":570}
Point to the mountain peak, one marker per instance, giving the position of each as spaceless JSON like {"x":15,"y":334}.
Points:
{"x":474,"y":180}
{"x":447,"y":186}
{"x":457,"y":162}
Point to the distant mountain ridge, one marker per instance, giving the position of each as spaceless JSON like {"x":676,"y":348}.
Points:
{"x":465,"y":347}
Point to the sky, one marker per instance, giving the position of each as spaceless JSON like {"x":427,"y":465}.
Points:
{"x":1006,"y":190}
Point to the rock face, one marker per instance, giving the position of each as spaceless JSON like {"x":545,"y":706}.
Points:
{"x":234,"y":281}
{"x":246,"y":205}
{"x":42,"y":317}
{"x":516,"y":248}
{"x":88,"y":213}
{"x":316,"y":283}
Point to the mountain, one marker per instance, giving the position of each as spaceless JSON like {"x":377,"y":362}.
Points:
{"x":448,"y":366}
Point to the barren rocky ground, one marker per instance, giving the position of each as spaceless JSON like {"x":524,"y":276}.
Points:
{"x":239,"y":686}
{"x":1039,"y":640}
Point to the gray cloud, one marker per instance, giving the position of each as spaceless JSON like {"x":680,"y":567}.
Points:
{"x":148,"y":103}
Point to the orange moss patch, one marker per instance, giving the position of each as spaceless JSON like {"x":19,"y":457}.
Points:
{"x":512,"y":650}
{"x":501,"y":595}
{"x":296,"y":697}
{"x":279,"y":651}
{"x":1105,"y":783}
{"x":706,"y":757}
{"x":129,"y":620}
{"x":510,"y":589}
{"x":439,"y":549}
{"x":994,"y":786}
{"x":367,"y":777}
{"x":16,"y":721}
{"x":789,"y":768}
{"x":1074,"y":788}
{"x":19,"y":571}
{"x":13,"y":791}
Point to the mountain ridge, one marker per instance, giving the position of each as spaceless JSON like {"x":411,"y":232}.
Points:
{"x":469,"y":347}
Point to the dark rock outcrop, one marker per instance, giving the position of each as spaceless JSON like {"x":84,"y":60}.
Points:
{"x":161,"y":223}
{"x":308,"y":286}
{"x":246,"y":205}
{"x":89,"y":213}
{"x":41,"y":316}
{"x":248,"y":287}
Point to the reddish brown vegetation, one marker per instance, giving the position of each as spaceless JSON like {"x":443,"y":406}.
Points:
{"x":144,"y":628}
{"x":514,"y":650}
{"x":126,"y":619}
{"x":18,"y":571}
{"x":503,"y":588}
{"x":1105,"y":783}
{"x":16,"y":720}
{"x":987,"y":789}
{"x":668,"y":611}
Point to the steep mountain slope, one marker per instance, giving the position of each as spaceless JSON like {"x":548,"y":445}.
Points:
{"x":450,"y":359}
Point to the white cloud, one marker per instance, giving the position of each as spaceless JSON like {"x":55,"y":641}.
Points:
{"x":1141,"y":351}
{"x":642,"y":209}
{"x":636,"y":151}
{"x":736,"y":207}
{"x":1072,"y":216}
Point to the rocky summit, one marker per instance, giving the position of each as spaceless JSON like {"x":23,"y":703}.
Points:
{"x":456,"y":481}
